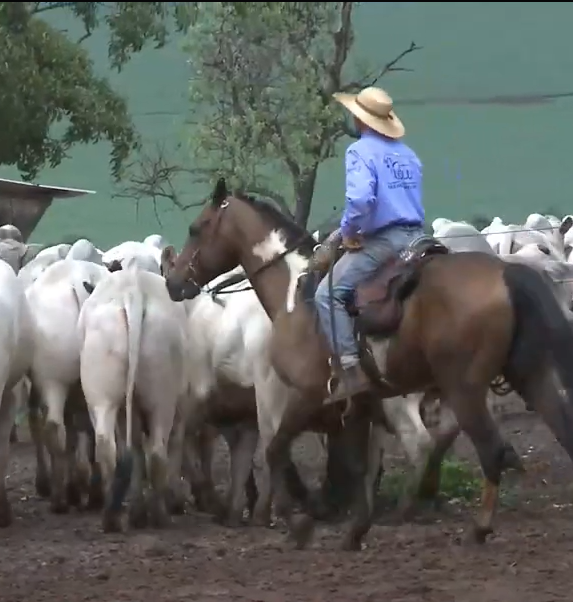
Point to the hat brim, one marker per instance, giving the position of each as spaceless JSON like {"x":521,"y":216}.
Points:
{"x":391,"y":126}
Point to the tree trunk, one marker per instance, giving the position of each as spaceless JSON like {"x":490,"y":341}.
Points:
{"x":304,"y":192}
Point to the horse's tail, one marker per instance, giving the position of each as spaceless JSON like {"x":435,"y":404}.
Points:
{"x":543,"y":339}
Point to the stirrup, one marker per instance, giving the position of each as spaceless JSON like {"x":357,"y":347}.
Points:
{"x":329,"y":384}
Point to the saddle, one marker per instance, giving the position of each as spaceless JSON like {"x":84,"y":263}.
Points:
{"x":377,"y":304}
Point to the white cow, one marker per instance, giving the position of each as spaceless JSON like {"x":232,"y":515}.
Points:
{"x":10,"y":231}
{"x":55,"y":299}
{"x":144,"y":256}
{"x":84,"y":250}
{"x":460,"y":236}
{"x":134,"y":355}
{"x":15,"y":352}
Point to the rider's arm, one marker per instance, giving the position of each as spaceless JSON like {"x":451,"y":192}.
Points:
{"x":360,"y":194}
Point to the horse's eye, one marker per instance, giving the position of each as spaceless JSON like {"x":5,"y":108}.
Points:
{"x":194,"y":230}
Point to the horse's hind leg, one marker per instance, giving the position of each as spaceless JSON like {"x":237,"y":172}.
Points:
{"x":541,"y":393}
{"x":469,"y":405}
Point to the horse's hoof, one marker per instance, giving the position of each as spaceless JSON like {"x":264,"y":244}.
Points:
{"x":137,"y":515}
{"x":59,"y":506}
{"x":301,"y":531}
{"x":111,"y":522}
{"x":234,"y":520}
{"x":73,"y":495}
{"x":351,"y":543}
{"x":479,"y":534}
{"x":176,"y":507}
{"x":159,"y":518}
{"x":43,"y":487}
{"x":5,"y":515}
{"x":95,"y":500}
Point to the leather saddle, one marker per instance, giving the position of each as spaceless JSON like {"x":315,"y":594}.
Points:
{"x":377,"y":304}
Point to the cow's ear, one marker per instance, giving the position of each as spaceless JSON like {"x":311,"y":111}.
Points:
{"x":89,"y":287}
{"x":566,"y":225}
{"x":168,"y":257}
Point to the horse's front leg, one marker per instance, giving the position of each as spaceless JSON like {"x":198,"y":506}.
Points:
{"x":356,"y":432}
{"x":294,"y":421}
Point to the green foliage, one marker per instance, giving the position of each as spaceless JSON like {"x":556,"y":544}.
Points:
{"x":51,"y":99}
{"x":132,"y":25}
{"x":261,"y":94}
{"x":459,"y":481}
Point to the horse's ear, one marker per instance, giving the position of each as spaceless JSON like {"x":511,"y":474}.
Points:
{"x":220,"y":193}
{"x":566,"y":225}
{"x":168,"y":257}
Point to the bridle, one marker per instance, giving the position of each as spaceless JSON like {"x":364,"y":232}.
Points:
{"x":191,"y":269}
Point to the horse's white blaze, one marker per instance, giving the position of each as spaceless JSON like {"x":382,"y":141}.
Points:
{"x":269,"y":248}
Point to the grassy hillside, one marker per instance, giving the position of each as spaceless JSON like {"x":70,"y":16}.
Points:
{"x":500,"y":157}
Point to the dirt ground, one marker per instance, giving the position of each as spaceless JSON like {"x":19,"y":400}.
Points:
{"x":47,"y":558}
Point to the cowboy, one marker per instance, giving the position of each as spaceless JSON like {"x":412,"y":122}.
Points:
{"x":383,"y":214}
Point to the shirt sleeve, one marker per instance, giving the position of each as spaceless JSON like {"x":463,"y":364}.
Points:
{"x":360,"y":194}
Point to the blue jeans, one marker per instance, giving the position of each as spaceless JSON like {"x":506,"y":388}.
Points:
{"x":351,"y":269}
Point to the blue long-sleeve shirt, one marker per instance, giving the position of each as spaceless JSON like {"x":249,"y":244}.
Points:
{"x":383,"y":185}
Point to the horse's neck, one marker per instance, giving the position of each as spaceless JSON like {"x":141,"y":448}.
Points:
{"x":276,"y":281}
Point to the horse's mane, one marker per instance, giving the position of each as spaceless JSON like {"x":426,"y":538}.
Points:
{"x":296,"y":236}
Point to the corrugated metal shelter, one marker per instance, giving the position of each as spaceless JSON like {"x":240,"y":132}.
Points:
{"x":23,"y":204}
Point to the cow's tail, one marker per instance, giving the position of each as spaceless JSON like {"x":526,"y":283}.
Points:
{"x":133,"y":308}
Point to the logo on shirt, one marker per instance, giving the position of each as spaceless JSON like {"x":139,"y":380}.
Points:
{"x":401,"y":172}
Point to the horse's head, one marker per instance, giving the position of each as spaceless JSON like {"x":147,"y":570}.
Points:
{"x":210,"y":249}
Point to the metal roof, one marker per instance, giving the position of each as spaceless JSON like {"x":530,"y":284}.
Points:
{"x":13,"y":186}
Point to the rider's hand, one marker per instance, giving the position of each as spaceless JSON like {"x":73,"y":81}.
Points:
{"x":353,"y":243}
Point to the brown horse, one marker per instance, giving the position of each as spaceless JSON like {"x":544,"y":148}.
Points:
{"x":466,"y":319}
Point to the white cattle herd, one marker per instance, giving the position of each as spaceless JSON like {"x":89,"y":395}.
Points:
{"x":160,"y":378}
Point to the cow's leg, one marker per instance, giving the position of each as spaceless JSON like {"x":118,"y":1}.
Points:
{"x":7,"y":416}
{"x":242,"y":449}
{"x":54,"y":395}
{"x":104,"y":417}
{"x":161,"y":424}
{"x":176,"y":497}
{"x":138,"y":517}
{"x":197,"y":462}
{"x":73,"y":488}
{"x":36,"y":426}
{"x":403,"y":416}
{"x":95,"y":488}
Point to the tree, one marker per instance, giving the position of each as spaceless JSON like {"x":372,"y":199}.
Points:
{"x":132,"y":25}
{"x":51,"y":98}
{"x":261,"y":95}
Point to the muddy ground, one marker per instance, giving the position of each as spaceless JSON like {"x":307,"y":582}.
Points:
{"x":47,"y":558}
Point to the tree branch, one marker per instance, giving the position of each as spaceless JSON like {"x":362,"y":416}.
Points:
{"x":372,"y":79}
{"x":152,"y":175}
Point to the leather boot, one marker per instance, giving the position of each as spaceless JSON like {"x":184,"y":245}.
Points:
{"x":352,"y":381}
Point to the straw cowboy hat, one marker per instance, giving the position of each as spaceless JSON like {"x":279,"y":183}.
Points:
{"x":373,"y":106}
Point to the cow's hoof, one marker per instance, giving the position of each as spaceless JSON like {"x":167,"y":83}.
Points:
{"x":137,"y":516}
{"x":5,"y":514}
{"x":43,"y":486}
{"x":301,"y":531}
{"x":73,"y":494}
{"x":111,"y":522}
{"x":59,"y":506}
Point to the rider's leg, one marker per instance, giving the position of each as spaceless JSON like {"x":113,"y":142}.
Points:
{"x":352,"y":269}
